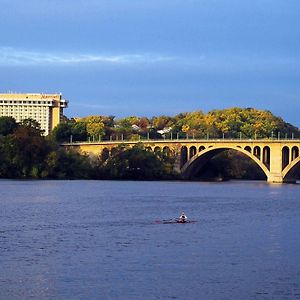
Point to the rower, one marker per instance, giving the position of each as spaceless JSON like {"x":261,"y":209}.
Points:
{"x":183,"y":217}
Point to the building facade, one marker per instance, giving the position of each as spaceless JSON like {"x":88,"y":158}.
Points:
{"x":47,"y":109}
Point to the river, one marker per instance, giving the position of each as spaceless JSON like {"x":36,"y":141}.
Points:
{"x":105,"y":240}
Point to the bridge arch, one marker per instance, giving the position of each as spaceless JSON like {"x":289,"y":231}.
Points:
{"x":285,"y":153}
{"x":193,"y":151}
{"x":257,"y":151}
{"x":290,"y":172}
{"x":266,"y":155}
{"x":200,"y":159}
{"x":157,"y":150}
{"x":183,"y":156}
{"x":295,"y":152}
{"x":166,"y":151}
{"x":248,"y":148}
{"x":105,"y":154}
{"x":201,"y":148}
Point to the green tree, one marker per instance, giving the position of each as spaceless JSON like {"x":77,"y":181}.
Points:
{"x":27,"y":154}
{"x":135,"y":163}
{"x":94,"y":126}
{"x":67,"y":164}
{"x":7,"y":125}
{"x":24,"y":151}
{"x":62,"y":132}
{"x":32,"y":126}
{"x":70,"y":128}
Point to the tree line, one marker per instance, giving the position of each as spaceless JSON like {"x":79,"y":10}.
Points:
{"x":26,"y":153}
{"x":229,"y":123}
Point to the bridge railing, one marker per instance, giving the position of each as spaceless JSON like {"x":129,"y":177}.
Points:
{"x":182,"y":136}
{"x":174,"y":140}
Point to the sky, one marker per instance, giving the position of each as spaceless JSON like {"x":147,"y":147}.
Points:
{"x":154,"y":57}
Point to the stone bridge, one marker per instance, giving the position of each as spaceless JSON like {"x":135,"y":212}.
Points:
{"x":278,"y":159}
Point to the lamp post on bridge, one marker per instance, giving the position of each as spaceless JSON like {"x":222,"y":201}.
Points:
{"x":149,"y":131}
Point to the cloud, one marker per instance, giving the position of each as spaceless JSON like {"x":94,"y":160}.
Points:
{"x":211,"y":63}
{"x":12,"y":56}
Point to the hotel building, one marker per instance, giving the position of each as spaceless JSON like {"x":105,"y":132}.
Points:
{"x":47,"y":109}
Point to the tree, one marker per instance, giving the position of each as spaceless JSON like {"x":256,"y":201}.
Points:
{"x":32,"y":125}
{"x":161,"y":122}
{"x":24,"y":150}
{"x":62,"y":132}
{"x":185,"y":128}
{"x":135,"y":163}
{"x":94,"y":126}
{"x":67,"y":164}
{"x":79,"y":131}
{"x":7,"y":125}
{"x":191,"y":123}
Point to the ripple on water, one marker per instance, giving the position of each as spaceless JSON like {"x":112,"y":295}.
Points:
{"x":82,"y":239}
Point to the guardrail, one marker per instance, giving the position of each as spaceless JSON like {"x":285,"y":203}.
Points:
{"x":117,"y":141}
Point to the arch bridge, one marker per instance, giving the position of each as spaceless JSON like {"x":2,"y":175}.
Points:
{"x":278,"y":159}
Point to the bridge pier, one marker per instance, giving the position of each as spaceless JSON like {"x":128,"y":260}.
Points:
{"x":278,"y":178}
{"x":275,"y":174}
{"x":177,"y":164}
{"x":275,"y":178}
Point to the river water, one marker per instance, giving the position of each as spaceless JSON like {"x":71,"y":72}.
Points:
{"x":104,"y":240}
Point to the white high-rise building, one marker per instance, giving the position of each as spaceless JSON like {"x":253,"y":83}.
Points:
{"x":47,"y":109}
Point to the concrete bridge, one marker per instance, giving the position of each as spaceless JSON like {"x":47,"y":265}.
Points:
{"x":278,"y":159}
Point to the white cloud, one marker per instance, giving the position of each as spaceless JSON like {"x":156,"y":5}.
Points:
{"x":12,"y":56}
{"x":205,"y":63}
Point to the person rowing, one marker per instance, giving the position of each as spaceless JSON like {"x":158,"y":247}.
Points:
{"x":183,"y":218}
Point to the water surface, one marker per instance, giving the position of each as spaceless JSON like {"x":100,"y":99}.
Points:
{"x":101,"y":240}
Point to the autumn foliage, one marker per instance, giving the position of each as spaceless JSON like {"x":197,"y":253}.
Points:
{"x":229,"y":123}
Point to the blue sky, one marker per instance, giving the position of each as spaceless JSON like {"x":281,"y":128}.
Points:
{"x":154,"y":57}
